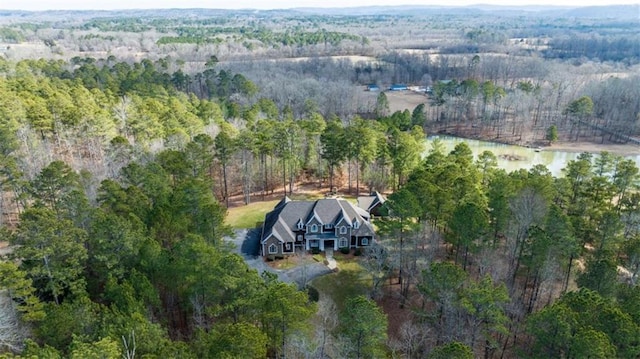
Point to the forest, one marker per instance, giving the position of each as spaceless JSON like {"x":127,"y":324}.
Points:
{"x":128,"y":137}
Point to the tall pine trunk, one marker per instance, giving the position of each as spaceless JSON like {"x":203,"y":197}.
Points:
{"x":224,"y":177}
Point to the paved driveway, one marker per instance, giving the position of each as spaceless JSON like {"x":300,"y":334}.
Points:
{"x":246,"y":242}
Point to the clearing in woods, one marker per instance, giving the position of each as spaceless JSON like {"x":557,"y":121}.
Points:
{"x":405,"y":100}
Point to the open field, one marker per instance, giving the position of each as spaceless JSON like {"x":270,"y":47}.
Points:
{"x":244,"y":217}
{"x":405,"y":100}
{"x":402,"y":100}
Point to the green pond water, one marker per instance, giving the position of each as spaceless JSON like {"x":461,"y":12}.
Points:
{"x":512,"y":157}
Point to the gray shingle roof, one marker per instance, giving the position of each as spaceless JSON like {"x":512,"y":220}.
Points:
{"x":368,"y":202}
{"x":283,"y":220}
{"x":271,"y":217}
{"x":327,"y":210}
{"x":365,"y":202}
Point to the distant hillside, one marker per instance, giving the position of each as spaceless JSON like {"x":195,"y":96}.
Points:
{"x":390,"y":10}
{"x":610,"y":12}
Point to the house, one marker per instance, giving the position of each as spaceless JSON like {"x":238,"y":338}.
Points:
{"x":298,"y":226}
{"x":372,"y":203}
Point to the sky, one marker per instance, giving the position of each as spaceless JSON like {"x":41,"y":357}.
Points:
{"x":271,"y":4}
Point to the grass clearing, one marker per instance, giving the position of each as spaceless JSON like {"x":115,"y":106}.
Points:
{"x":351,"y":280}
{"x":244,"y":217}
{"x":249,"y":216}
{"x":306,"y":196}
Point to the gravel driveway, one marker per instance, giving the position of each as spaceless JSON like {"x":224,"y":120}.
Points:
{"x":246,"y":243}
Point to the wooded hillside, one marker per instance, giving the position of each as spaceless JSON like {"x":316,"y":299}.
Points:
{"x":124,"y":138}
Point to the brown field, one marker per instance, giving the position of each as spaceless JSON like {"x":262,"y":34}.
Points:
{"x":404,"y":100}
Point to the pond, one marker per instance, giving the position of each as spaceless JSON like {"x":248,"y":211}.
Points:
{"x":512,"y":158}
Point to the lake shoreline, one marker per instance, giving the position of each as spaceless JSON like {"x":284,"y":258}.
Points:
{"x":513,"y":157}
{"x":621,"y":149}
{"x":570,"y":146}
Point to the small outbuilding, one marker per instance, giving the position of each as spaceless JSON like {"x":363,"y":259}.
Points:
{"x":372,"y":203}
{"x":373,"y":87}
{"x":398,"y":87}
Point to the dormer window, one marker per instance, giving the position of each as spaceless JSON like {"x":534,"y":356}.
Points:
{"x":356,"y":224}
{"x":343,"y":230}
{"x":314,"y":228}
{"x":328,"y":226}
{"x":300,"y":224}
{"x":273,"y":249}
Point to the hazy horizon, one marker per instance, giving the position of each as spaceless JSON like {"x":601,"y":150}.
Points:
{"x":37,"y":5}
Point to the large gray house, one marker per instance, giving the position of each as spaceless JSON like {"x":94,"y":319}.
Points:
{"x":295,"y":226}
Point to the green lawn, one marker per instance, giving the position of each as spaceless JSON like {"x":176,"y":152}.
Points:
{"x":351,"y":280}
{"x":244,"y":217}
{"x":250,"y":215}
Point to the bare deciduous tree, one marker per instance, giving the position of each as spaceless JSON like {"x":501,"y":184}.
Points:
{"x":376,"y":262}
{"x":12,"y":332}
{"x":528,"y":208}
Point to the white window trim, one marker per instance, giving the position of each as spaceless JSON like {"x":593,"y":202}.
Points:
{"x":343,"y":243}
{"x":343,"y":230}
{"x":365,"y":241}
{"x":314,"y":228}
{"x":273,"y":249}
{"x":356,"y":224}
{"x":300,"y":225}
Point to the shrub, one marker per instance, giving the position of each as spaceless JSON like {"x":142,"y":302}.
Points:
{"x":313,"y":294}
{"x":345,"y":250}
{"x":357,"y":252}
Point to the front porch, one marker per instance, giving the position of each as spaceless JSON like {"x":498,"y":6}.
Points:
{"x":322,"y":242}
